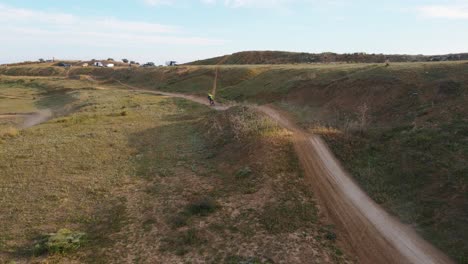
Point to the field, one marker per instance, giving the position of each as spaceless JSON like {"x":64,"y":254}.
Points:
{"x":401,"y":131}
{"x":114,"y":175}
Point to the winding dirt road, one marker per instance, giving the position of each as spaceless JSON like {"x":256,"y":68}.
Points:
{"x":366,"y":230}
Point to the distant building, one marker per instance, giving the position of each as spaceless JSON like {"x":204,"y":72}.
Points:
{"x":98,"y":64}
{"x":110,"y":65}
{"x":85,"y":65}
{"x":171,"y":63}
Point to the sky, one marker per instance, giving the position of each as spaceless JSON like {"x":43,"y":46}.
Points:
{"x":187,"y":30}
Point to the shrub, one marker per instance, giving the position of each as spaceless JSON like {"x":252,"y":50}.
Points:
{"x":203,"y":206}
{"x":61,"y":242}
{"x":244,"y":172}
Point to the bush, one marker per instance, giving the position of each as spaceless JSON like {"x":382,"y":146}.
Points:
{"x":203,"y":206}
{"x":200,"y":207}
{"x":61,"y":242}
{"x":244,"y":172}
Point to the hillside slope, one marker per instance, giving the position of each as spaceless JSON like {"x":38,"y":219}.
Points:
{"x":283,"y":57}
{"x":402,"y":130}
{"x":120,"y":176}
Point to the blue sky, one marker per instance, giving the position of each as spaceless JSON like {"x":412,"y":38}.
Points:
{"x":183,"y":30}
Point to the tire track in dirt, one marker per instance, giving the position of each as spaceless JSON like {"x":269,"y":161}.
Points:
{"x":367,"y":230}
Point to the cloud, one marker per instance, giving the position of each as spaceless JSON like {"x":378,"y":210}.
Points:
{"x":39,"y":26}
{"x":159,"y":2}
{"x":456,"y":11}
{"x":269,"y":4}
{"x":255,"y":3}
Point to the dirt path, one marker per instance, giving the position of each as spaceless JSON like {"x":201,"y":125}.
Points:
{"x":30,"y":119}
{"x":366,"y":229}
{"x":37,"y":118}
{"x":193,"y":98}
{"x":370,"y":232}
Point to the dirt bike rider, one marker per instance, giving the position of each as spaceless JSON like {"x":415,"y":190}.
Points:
{"x":211,"y":99}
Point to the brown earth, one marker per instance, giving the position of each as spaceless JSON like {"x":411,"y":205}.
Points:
{"x":368,"y":231}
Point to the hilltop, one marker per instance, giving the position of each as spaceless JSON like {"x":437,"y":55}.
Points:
{"x":283,"y":57}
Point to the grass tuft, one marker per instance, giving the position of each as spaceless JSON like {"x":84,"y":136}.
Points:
{"x":244,"y":172}
{"x":182,"y":242}
{"x":288,"y":216}
{"x":61,"y":242}
{"x":9,"y":132}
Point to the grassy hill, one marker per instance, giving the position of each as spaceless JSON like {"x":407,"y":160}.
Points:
{"x":283,"y":57}
{"x":118,"y":176}
{"x":402,"y":130}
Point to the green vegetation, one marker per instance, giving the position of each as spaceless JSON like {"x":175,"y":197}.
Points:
{"x":246,"y":260}
{"x":61,"y":242}
{"x":420,"y":174}
{"x":283,"y":57}
{"x":400,"y":131}
{"x":167,"y":176}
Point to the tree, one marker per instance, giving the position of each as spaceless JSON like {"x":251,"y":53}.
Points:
{"x":125,"y":60}
{"x":110,"y":59}
{"x":41,"y":60}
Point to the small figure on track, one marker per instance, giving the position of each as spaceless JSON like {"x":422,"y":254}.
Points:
{"x":211,"y":99}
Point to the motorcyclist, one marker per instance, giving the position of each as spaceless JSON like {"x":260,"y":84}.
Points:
{"x":211,"y":99}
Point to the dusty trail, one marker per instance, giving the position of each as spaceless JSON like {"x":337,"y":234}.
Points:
{"x":30,"y":119}
{"x":193,"y":98}
{"x":367,"y":230}
{"x":37,"y":118}
{"x":370,"y":232}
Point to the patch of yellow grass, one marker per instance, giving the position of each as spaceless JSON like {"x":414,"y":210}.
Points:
{"x":325,"y":130}
{"x":9,"y":132}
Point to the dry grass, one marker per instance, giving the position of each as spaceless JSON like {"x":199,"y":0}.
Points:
{"x":325,"y":130}
{"x":126,"y":179}
{"x":9,"y":132}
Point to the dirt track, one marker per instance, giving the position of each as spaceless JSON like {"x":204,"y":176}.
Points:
{"x":30,"y":119}
{"x":365,"y":229}
{"x":36,"y":118}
